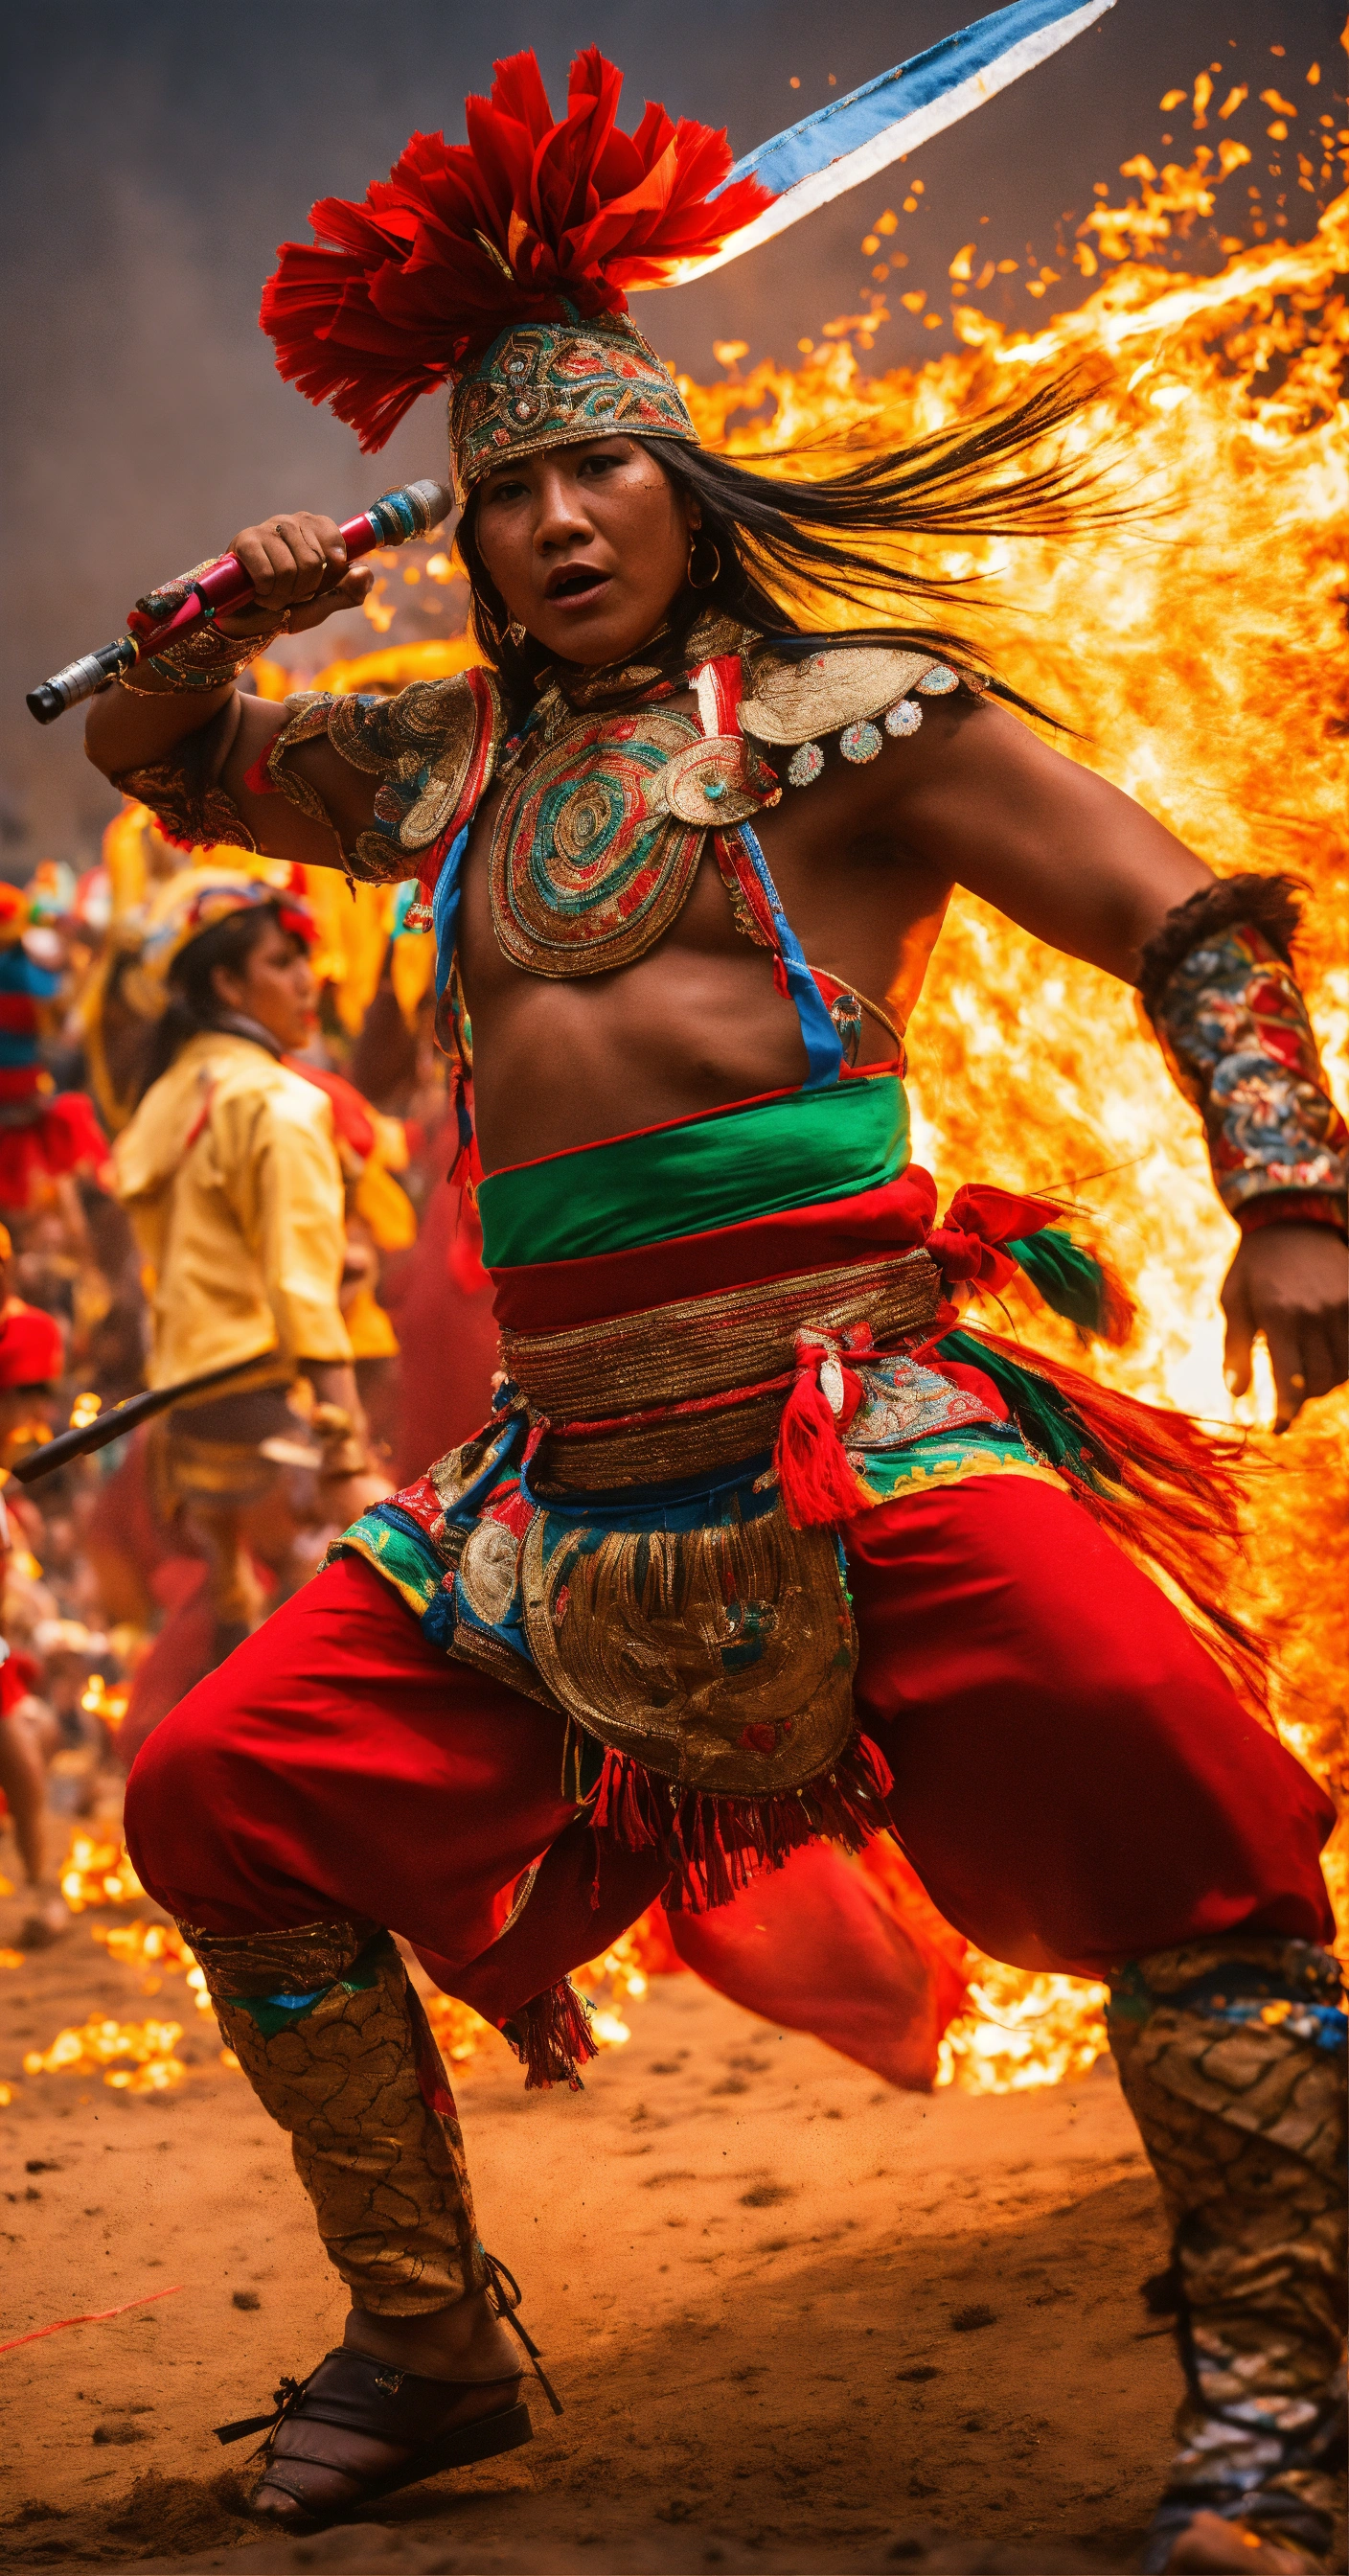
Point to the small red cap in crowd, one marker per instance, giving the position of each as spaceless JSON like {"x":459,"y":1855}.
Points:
{"x":31,"y":1349}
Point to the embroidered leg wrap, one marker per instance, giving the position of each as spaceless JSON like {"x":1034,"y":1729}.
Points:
{"x":1232,"y":2057}
{"x":334,"y":2042}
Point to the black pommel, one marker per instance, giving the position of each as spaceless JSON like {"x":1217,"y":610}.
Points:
{"x":80,"y":680}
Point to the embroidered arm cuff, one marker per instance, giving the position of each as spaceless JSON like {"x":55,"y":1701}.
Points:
{"x":432,"y":748}
{"x":190,"y":807}
{"x":1219,"y":988}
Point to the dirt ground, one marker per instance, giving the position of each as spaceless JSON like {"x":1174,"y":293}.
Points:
{"x":797,"y":2320}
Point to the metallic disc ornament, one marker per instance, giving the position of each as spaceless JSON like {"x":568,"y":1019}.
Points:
{"x":805,"y":765}
{"x":939,"y":683}
{"x":720,"y":1658}
{"x":798,"y":701}
{"x":903,"y":719}
{"x":859,"y":742}
{"x":588,"y":866}
{"x":719,"y":782}
{"x":488,"y":1570}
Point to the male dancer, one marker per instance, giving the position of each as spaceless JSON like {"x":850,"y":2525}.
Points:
{"x":607,"y":1648}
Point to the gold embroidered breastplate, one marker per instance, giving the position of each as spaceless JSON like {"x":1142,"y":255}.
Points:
{"x":609,"y":794}
{"x":588,"y":865}
{"x":590,"y":860}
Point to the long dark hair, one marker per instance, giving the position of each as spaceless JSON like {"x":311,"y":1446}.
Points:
{"x":194,"y":1003}
{"x":779,"y":538}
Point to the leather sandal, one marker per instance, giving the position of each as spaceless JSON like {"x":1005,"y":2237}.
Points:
{"x":387,"y":2406}
{"x":397,"y":2408}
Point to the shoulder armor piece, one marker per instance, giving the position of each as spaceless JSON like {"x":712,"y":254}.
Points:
{"x":790,"y":701}
{"x":433,"y":748}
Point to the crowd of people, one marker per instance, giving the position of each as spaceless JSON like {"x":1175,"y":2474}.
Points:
{"x":132,"y":1570}
{"x":275,"y":1176}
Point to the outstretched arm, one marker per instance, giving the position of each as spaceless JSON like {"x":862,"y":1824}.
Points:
{"x":1056,"y":848}
{"x":298,"y":566}
{"x":1091,"y":873}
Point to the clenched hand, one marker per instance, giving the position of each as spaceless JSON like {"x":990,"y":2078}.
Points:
{"x":298,"y":566}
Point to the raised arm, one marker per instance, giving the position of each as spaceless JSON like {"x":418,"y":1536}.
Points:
{"x":179,"y":734}
{"x":1090,"y":872}
{"x":1053,"y":846}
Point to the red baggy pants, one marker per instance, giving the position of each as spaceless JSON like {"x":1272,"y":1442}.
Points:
{"x":1073,"y":1779}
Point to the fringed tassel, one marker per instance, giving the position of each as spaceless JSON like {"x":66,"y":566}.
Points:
{"x":815,"y":1479}
{"x":628,"y":1803}
{"x":552,"y":2038}
{"x":1164,"y":1486}
{"x":1074,"y":1280}
{"x":848,"y":1806}
{"x":717,"y":1846}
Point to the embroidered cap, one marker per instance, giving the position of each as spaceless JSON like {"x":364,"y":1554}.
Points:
{"x":544,"y":385}
{"x":199,"y":899}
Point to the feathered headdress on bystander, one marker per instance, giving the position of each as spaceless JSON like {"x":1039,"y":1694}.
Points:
{"x":534,"y":219}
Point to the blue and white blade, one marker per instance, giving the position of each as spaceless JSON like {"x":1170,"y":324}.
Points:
{"x":857,"y":136}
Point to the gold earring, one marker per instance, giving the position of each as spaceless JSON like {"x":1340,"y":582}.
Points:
{"x":516,"y":633}
{"x":486,"y":623}
{"x":713,"y":577}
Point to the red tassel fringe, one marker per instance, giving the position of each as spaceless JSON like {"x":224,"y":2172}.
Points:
{"x":1178,"y":1507}
{"x":716,"y":1846}
{"x":553,"y":2039}
{"x":810,"y":1461}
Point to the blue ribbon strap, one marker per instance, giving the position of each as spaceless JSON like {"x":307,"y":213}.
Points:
{"x":823,"y":1045}
{"x":445,"y":908}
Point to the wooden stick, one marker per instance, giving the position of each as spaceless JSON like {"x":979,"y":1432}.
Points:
{"x":123,"y":1417}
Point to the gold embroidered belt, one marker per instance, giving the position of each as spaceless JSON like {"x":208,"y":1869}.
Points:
{"x":698,"y":1385}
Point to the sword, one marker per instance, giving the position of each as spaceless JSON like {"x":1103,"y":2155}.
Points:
{"x":121,"y":1418}
{"x":389,"y":521}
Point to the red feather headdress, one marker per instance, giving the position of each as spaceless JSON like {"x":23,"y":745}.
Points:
{"x":528,"y":218}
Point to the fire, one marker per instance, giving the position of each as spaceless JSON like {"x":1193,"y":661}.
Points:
{"x":459,"y":2032}
{"x":98,"y":1873}
{"x":100,"y":2045}
{"x":1199,"y":656}
{"x":1022,"y":2031}
{"x":151,"y":1947}
{"x":611,"y":1985}
{"x":109,"y":1701}
{"x":133,"y":2057}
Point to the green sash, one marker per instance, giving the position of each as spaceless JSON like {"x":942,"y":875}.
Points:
{"x":698,"y":1174}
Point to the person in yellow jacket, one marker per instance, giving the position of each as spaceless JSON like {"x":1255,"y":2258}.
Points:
{"x":230,"y":1173}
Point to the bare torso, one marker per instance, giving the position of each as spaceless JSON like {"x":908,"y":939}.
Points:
{"x":696,"y":1021}
{"x":864,"y":861}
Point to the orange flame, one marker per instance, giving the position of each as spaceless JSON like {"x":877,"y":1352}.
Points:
{"x":101,"y":2044}
{"x":611,"y":1985}
{"x":97,"y":1873}
{"x":1199,"y":656}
